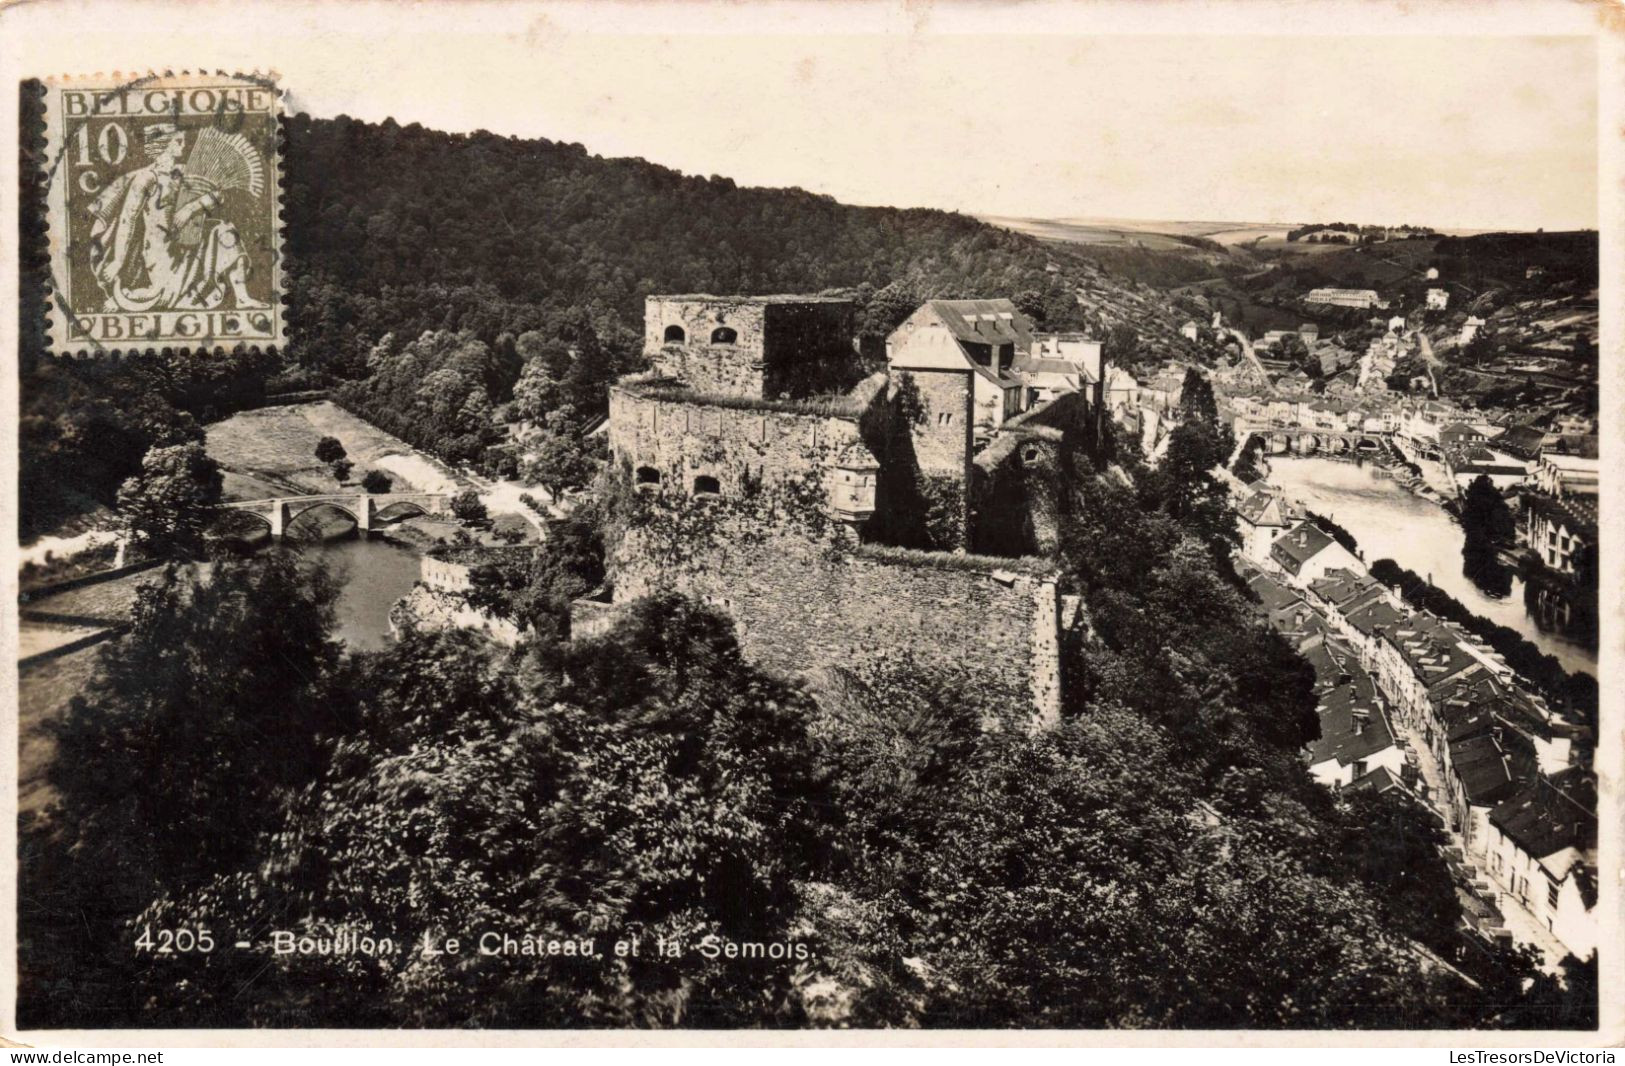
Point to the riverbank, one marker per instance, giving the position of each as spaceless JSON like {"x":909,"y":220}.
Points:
{"x":1389,"y":521}
{"x":271,"y":451}
{"x":1402,"y":670}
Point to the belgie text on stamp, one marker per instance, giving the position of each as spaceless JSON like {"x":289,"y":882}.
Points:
{"x":164,"y":213}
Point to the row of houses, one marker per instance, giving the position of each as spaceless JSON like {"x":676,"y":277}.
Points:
{"x":1330,"y":413}
{"x":1512,"y":777}
{"x":1358,"y":747}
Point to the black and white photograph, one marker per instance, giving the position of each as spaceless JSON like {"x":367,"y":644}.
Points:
{"x":785,"y":518}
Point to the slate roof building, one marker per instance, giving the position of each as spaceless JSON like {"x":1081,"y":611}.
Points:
{"x":1567,"y":475}
{"x":1542,"y":852}
{"x":1306,"y":552}
{"x":1355,"y":735}
{"x":1479,"y":773}
{"x":982,"y":337}
{"x":1525,"y":442}
{"x":1460,"y":433}
{"x":1262,"y":517}
{"x":1343,"y":297}
{"x":1061,"y":362}
{"x":1559,"y":531}
{"x":1049,"y":377}
{"x":1279,"y":604}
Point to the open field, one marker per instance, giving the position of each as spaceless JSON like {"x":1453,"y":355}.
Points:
{"x":1071,"y":232}
{"x":36,"y":638}
{"x":1163,"y":234}
{"x":109,"y":600}
{"x":1179,"y":227}
{"x":45,"y":688}
{"x":272,"y":450}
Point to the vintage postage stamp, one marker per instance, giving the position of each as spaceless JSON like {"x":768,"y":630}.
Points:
{"x":164,"y":213}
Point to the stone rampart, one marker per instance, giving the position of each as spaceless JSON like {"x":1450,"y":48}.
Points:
{"x":802,"y":603}
{"x":742,"y":449}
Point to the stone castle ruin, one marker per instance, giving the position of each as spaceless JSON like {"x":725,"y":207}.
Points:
{"x":825,"y":504}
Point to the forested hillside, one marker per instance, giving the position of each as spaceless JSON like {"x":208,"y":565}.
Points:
{"x":1158,"y":858}
{"x":404,"y":229}
{"x":396,"y":231}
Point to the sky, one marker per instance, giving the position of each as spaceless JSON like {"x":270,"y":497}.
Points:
{"x":964,"y":113}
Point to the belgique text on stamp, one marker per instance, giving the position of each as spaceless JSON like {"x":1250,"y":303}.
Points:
{"x":164,"y":213}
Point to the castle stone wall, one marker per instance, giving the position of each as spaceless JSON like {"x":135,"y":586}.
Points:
{"x":744,"y":449}
{"x":720,"y":370}
{"x":942,"y":432}
{"x":699,"y":317}
{"x":800,"y":606}
{"x":782,"y":346}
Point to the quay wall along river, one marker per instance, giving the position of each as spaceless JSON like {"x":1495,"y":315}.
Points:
{"x":1390,"y":522}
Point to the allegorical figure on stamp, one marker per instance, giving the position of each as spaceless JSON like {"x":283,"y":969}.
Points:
{"x":155,"y":243}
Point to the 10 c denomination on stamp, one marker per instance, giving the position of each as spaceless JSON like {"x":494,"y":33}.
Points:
{"x":164,"y":213}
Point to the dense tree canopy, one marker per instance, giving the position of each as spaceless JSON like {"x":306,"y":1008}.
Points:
{"x":1158,"y":857}
{"x":1487,"y":526}
{"x":167,"y":506}
{"x":404,"y":229}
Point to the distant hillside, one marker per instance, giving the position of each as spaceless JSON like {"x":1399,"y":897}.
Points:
{"x":1487,"y":266}
{"x":1135,"y":251}
{"x":400,"y":229}
{"x":396,"y":231}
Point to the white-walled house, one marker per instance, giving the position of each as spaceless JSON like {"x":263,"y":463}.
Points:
{"x":1542,"y":854}
{"x":1568,"y":475}
{"x":1305,"y":552}
{"x":985,"y":336}
{"x":1261,"y":518}
{"x":1559,"y":533}
{"x":1058,"y":363}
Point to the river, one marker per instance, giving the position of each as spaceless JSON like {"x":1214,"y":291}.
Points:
{"x":1390,"y":522}
{"x":373,"y":574}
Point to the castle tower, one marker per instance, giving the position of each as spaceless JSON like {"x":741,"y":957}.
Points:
{"x":853,"y":474}
{"x":752,"y":347}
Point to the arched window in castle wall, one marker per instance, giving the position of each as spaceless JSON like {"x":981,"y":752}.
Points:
{"x":648,"y":475}
{"x":724,"y":335}
{"x":706,"y":485}
{"x":675,"y":335}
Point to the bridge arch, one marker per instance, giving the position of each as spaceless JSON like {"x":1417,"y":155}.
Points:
{"x":296,"y":511}
{"x":399,"y":509}
{"x":229,"y":523}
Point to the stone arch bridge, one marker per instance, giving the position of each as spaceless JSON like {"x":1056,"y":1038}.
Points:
{"x":1307,"y":440}
{"x":363,"y":507}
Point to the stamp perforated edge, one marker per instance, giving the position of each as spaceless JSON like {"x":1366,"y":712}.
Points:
{"x":50,"y":137}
